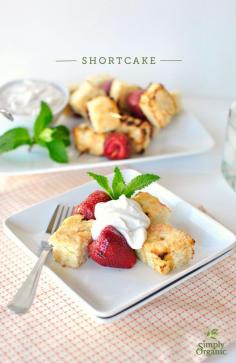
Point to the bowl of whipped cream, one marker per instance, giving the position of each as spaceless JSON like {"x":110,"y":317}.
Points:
{"x":22,"y":98}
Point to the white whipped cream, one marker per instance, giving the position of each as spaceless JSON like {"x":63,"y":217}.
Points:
{"x":126,"y":216}
{"x":23,"y":97}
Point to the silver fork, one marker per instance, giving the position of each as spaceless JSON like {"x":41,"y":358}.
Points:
{"x":24,"y":297}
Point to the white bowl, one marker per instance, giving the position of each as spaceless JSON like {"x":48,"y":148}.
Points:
{"x":21,"y":120}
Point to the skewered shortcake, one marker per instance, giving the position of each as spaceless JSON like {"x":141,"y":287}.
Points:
{"x":119,"y":92}
{"x":158,"y":105}
{"x":153,"y":208}
{"x":70,"y":241}
{"x":166,"y":248}
{"x":103,"y":114}
{"x":79,"y":98}
{"x":139,"y":131}
{"x":88,"y":140}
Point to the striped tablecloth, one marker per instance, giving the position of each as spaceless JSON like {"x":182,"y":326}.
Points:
{"x":56,"y":329}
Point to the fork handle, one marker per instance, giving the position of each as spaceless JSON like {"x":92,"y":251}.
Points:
{"x":24,"y":297}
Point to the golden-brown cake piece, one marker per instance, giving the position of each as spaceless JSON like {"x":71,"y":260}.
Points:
{"x":88,"y":140}
{"x":153,"y":208}
{"x":176,"y":95}
{"x":79,"y":98}
{"x":158,"y":105}
{"x":139,"y":131}
{"x":103,"y":114}
{"x":70,"y":241}
{"x":166,"y":248}
{"x":119,"y":92}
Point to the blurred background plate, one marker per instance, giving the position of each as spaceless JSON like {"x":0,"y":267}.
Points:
{"x":183,"y":136}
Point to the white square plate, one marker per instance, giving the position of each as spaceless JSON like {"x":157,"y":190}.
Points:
{"x":183,"y":136}
{"x":106,"y":292}
{"x":162,"y":290}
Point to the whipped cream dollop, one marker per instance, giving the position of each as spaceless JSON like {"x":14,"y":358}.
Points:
{"x":126,"y":216}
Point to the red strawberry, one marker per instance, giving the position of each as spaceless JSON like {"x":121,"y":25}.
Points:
{"x":111,"y":249}
{"x":106,"y":86}
{"x":133,"y":103}
{"x":98,"y":196}
{"x":117,"y":146}
{"x":86,"y":208}
{"x":76,"y":210}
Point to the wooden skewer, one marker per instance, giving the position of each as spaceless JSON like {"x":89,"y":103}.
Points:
{"x":115,"y":115}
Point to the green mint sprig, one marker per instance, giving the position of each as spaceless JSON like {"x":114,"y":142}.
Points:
{"x":55,"y":139}
{"x":119,"y":186}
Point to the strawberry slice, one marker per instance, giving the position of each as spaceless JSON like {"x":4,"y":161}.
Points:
{"x":111,"y":249}
{"x":133,"y":101}
{"x":87,"y":207}
{"x":106,"y":86}
{"x":117,"y":146}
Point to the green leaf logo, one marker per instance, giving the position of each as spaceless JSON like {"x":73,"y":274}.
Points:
{"x":212,"y":334}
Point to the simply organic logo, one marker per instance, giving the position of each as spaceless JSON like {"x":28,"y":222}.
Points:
{"x":211,"y":345}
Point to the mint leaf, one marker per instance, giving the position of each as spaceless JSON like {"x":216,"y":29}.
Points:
{"x":56,"y":133}
{"x":118,"y":183}
{"x":54,"y":139}
{"x":102,"y":181}
{"x":57,"y":151}
{"x":14,"y":138}
{"x":62,"y":133}
{"x":43,"y":119}
{"x":139,"y":182}
{"x":46,"y":135}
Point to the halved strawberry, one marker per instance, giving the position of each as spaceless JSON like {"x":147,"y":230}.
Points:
{"x":106,"y":86}
{"x":111,"y":249}
{"x":86,"y":208}
{"x":117,"y":146}
{"x":133,"y":100}
{"x":98,"y":196}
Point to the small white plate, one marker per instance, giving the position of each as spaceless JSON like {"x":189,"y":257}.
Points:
{"x":106,"y":292}
{"x":183,"y":136}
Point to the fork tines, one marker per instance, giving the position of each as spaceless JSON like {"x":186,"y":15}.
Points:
{"x":61,"y":212}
